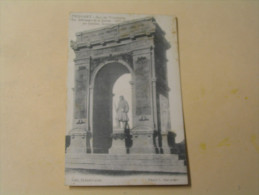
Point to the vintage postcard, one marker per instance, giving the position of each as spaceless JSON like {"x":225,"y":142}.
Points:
{"x":124,"y":119}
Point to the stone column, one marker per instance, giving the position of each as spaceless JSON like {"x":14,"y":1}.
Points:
{"x":154,"y":98}
{"x":79,"y":134}
{"x":90,"y":115}
{"x":143,"y":116}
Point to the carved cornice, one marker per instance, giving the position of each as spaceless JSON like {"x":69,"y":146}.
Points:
{"x":115,"y":33}
{"x":137,"y":47}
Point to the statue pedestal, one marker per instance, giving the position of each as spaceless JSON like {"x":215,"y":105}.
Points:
{"x":118,"y":142}
{"x":77,"y":140}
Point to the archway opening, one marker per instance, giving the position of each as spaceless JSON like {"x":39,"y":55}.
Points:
{"x":123,"y":88}
{"x":103,"y":98}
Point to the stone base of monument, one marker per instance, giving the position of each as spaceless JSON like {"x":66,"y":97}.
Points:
{"x":77,"y":141}
{"x":161,"y":163}
{"x":143,"y":142}
{"x":119,"y":148}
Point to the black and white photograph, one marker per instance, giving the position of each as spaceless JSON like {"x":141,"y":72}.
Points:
{"x":124,"y":114}
{"x":129,"y":97}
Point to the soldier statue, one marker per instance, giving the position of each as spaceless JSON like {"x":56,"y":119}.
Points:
{"x":122,"y":113}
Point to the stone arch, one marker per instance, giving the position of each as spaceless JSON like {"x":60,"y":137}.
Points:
{"x":102,"y":82}
{"x":100,"y":66}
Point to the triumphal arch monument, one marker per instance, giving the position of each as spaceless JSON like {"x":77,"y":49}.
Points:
{"x":136,"y":47}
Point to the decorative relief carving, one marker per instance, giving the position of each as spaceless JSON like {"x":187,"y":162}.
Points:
{"x":142,"y":61}
{"x":142,"y":72}
{"x":81,"y":82}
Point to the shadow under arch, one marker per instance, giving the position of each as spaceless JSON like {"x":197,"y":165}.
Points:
{"x":103,"y":80}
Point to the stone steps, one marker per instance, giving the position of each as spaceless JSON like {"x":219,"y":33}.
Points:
{"x":136,"y":162}
{"x":128,"y":162}
{"x":124,"y":156}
